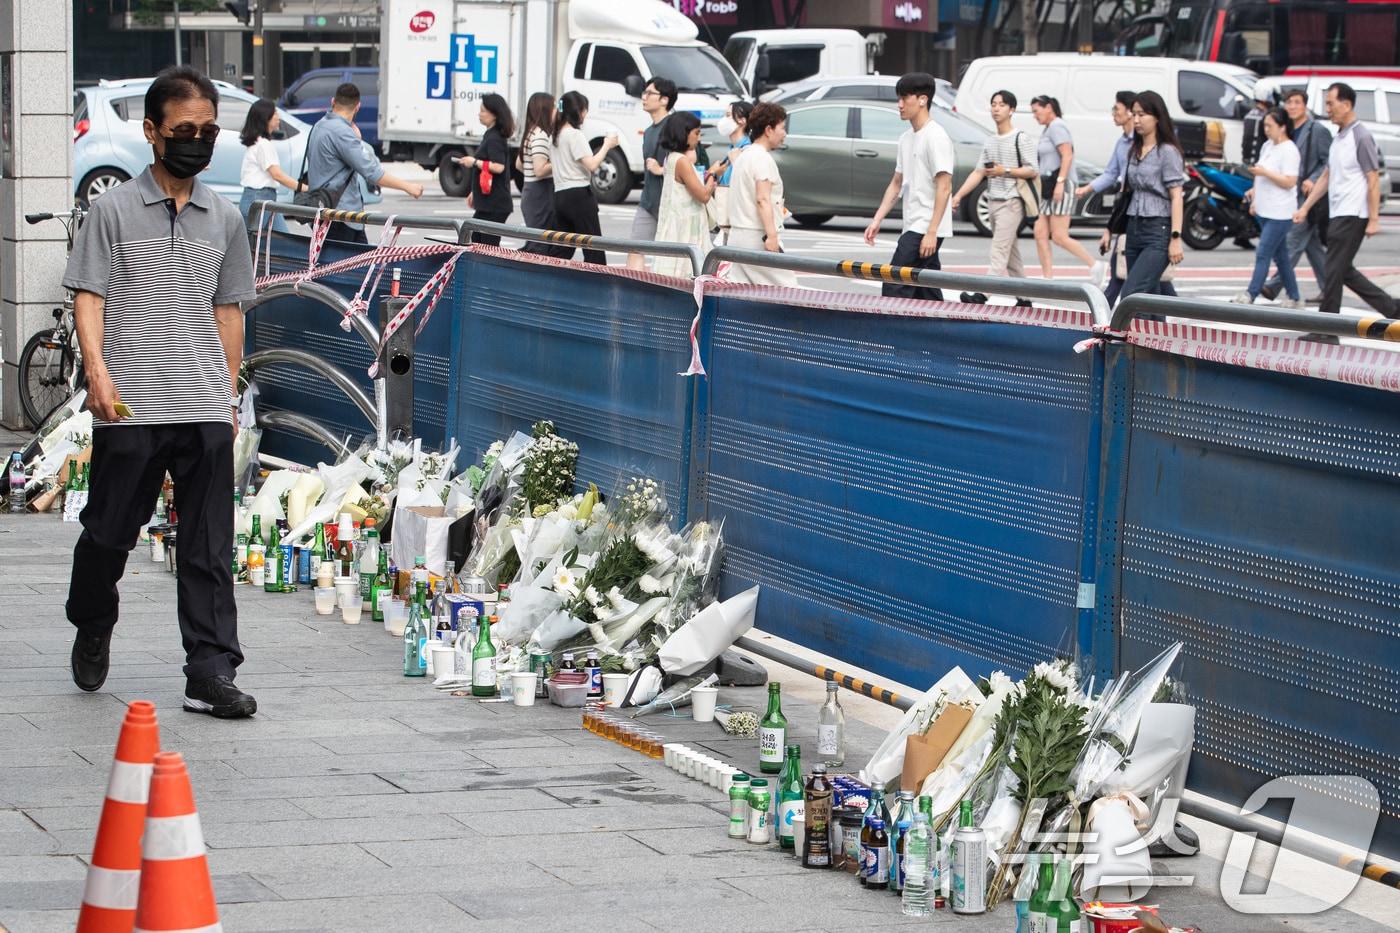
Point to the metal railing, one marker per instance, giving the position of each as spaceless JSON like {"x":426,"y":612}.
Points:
{"x":1223,"y":312}
{"x":908,"y":275}
{"x":464,"y":227}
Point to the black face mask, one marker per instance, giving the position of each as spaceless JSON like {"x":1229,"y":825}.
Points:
{"x":186,"y":158}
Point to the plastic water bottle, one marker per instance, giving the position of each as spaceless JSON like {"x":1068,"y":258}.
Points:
{"x":917,"y":877}
{"x":16,"y":482}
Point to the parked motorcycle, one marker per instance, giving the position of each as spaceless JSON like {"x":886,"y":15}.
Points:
{"x":1215,"y":206}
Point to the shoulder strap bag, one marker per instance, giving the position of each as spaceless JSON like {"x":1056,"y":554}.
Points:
{"x":1025,"y":187}
{"x":323,"y":197}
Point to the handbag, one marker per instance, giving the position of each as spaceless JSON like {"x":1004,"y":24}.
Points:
{"x":1118,"y":217}
{"x":322,"y":197}
{"x":719,"y":208}
{"x":1025,"y":187}
{"x":484,"y":180}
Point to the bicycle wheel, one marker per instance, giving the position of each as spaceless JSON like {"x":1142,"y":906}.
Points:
{"x":45,"y":368}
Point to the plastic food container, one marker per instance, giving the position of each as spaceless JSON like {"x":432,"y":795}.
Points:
{"x":569,"y":696}
{"x":1115,"y":918}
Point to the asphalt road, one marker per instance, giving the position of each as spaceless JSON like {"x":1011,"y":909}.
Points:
{"x":1219,"y":273}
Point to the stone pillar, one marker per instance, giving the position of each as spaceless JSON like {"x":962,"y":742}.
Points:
{"x":36,"y":62}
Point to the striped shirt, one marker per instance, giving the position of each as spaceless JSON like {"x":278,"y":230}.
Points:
{"x":536,"y":145}
{"x":160,"y":274}
{"x":1001,"y":148}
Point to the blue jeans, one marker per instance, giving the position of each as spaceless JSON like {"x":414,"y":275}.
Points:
{"x":1304,"y":239}
{"x":251,"y":215}
{"x":1148,"y":239}
{"x":1273,"y":248}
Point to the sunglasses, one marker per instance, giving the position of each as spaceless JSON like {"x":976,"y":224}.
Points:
{"x":208,"y":132}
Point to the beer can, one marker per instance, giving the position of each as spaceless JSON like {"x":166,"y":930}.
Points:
{"x":969,"y":865}
{"x":304,"y":565}
{"x":542,"y":663}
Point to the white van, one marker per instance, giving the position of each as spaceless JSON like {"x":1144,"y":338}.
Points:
{"x":1086,"y":84}
{"x":767,"y":59}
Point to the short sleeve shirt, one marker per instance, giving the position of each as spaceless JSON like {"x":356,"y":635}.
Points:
{"x":923,"y":156}
{"x":1353,"y":154}
{"x":536,"y":146}
{"x":335,"y":155}
{"x":1152,"y":177}
{"x":492,"y":149}
{"x":565,"y":154}
{"x":1272,"y":201}
{"x":257,"y":159}
{"x":1048,"y":151}
{"x":1009,"y":150}
{"x":650,"y":201}
{"x":160,"y":274}
{"x":757,"y":164}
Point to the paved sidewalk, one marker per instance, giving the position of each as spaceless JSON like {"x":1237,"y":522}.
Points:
{"x":358,"y":800}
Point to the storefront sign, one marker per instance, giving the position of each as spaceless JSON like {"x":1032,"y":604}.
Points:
{"x":710,"y":12}
{"x":908,"y":14}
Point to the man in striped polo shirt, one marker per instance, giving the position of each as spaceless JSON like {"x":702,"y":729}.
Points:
{"x":160,"y":268}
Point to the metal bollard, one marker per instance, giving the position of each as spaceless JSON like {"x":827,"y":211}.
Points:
{"x":396,"y":370}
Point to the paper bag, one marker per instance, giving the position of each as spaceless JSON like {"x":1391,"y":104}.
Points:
{"x":422,"y":531}
{"x":924,"y":753}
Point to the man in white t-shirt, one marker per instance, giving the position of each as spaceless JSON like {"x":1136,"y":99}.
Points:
{"x":923,"y":173}
{"x":1352,"y":185}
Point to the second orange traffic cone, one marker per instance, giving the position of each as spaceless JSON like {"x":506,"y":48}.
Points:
{"x":109,"y":898}
{"x":176,"y":893}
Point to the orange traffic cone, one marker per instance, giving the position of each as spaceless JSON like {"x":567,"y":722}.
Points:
{"x":109,"y":900}
{"x":176,"y":893}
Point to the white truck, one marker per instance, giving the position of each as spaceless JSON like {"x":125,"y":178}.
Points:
{"x":767,"y":59}
{"x":438,"y":57}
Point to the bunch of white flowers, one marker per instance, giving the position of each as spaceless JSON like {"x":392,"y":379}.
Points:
{"x":1062,"y":675}
{"x":549,"y":471}
{"x":641,"y":499}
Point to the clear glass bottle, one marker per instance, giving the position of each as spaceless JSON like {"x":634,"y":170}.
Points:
{"x":831,"y":729}
{"x":772,"y":733}
{"x":903,"y":820}
{"x":415,"y":640}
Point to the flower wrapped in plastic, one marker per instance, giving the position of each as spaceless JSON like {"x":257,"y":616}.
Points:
{"x":550,"y":464}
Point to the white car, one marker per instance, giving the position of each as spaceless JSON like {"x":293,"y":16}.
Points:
{"x":1085,"y":85}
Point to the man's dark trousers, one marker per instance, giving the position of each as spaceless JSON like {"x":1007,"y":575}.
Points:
{"x":129,"y":463}
{"x":1344,"y":238}
{"x":906,"y":253}
{"x":346,"y":233}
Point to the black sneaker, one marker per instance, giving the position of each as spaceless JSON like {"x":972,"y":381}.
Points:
{"x":973,"y":298}
{"x":1268,"y":292}
{"x":218,"y":697}
{"x":91,"y":655}
{"x":1024,"y":303}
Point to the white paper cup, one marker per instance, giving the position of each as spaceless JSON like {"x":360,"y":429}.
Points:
{"x":325,"y":600}
{"x":346,"y":588}
{"x":705,"y":771}
{"x":523,"y":683}
{"x":615,"y":688}
{"x":687,"y":758}
{"x":442,"y":661}
{"x":702,"y":701}
{"x":668,"y":753}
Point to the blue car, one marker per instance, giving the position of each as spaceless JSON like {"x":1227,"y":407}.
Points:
{"x":109,"y":146}
{"x":309,"y":97}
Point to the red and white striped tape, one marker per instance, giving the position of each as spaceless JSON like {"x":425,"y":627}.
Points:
{"x":431,"y":292}
{"x":1374,"y":367}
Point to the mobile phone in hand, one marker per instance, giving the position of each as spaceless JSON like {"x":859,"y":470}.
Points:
{"x":988,"y":164}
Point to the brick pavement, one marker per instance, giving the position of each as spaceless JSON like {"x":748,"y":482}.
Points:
{"x":358,"y":800}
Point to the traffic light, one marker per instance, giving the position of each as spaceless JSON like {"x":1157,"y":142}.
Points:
{"x":242,"y":10}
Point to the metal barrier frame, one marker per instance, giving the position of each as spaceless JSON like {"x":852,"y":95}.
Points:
{"x":908,"y":275}
{"x":1223,"y":312}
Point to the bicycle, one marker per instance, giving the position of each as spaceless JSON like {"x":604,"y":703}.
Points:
{"x":51,"y":363}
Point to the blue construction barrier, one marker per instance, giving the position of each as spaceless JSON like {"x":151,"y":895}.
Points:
{"x":1256,"y":517}
{"x":597,"y":354}
{"x":914,"y":493}
{"x":908,"y":491}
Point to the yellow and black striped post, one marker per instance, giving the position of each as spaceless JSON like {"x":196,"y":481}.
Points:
{"x":863,"y":687}
{"x":880,"y":271}
{"x":1378,"y":328}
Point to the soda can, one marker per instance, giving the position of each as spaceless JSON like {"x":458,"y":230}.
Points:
{"x":304,"y":565}
{"x":289,"y":573}
{"x":542,"y":664}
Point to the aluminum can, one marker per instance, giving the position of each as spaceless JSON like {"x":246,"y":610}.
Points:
{"x":969,"y":865}
{"x":542,"y":664}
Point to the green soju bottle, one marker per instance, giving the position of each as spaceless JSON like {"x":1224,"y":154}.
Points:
{"x":772,"y":733}
{"x":790,"y":797}
{"x":415,"y":639}
{"x":1062,"y":911}
{"x":318,"y":550}
{"x":484,"y":660}
{"x":272,"y":582}
{"x":1038,"y":909}
{"x":383,"y":588}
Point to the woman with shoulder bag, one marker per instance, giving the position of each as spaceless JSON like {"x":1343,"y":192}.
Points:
{"x":682,"y":217}
{"x":1156,"y":175}
{"x":490,"y":194}
{"x":1055,"y":158}
{"x":732,"y":125}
